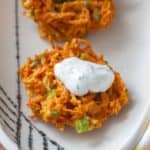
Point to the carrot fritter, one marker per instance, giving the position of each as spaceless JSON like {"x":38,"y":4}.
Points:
{"x":66,"y":19}
{"x":52,"y":102}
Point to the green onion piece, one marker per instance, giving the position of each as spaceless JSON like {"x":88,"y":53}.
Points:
{"x":106,"y":62}
{"x":97,"y":15}
{"x":36,"y":111}
{"x":83,"y":125}
{"x":32,"y":13}
{"x":83,"y":56}
{"x":34,"y":63}
{"x":88,"y":4}
{"x":54,"y":113}
{"x":51,"y":93}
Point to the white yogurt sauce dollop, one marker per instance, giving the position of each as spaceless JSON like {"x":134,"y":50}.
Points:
{"x":80,"y":76}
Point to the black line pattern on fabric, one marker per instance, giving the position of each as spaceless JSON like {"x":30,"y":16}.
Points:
{"x":10,"y":111}
{"x":8,"y":126}
{"x":4,"y":103}
{"x":43,"y":134}
{"x":58,"y":147}
{"x":7,"y":115}
{"x":8,"y":98}
{"x":30,"y":140}
{"x":45,"y":143}
{"x":18,"y":133}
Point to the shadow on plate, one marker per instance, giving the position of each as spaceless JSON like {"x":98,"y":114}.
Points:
{"x":114,"y":37}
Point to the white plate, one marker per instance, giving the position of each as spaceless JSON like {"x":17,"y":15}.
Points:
{"x":125,"y":44}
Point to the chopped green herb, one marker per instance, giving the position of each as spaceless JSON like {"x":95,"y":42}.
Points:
{"x":78,"y":88}
{"x":106,"y":62}
{"x":34,"y":63}
{"x":32,"y":13}
{"x":52,"y":93}
{"x":83,"y":125}
{"x":83,"y":56}
{"x":97,"y":15}
{"x":36,"y":111}
{"x":88,"y":4}
{"x":54,"y":113}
